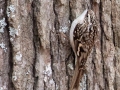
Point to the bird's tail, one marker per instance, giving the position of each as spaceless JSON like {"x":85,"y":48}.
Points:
{"x":74,"y":77}
{"x":79,"y":72}
{"x":79,"y":77}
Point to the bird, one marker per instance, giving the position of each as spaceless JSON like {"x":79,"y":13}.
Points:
{"x":83,"y":33}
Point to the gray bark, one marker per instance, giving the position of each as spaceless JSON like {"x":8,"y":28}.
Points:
{"x":35,"y":53}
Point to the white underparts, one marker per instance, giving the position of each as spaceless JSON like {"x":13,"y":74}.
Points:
{"x":80,"y":20}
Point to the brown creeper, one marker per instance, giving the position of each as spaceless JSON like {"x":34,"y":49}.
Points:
{"x":83,"y":33}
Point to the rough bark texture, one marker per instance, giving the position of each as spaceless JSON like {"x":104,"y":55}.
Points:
{"x":35,"y":53}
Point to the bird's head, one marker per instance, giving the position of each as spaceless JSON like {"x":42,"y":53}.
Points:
{"x":91,"y":16}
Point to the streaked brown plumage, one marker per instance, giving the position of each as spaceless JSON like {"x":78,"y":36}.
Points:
{"x":84,"y":36}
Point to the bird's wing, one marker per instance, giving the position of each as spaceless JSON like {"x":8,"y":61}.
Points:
{"x":79,"y":30}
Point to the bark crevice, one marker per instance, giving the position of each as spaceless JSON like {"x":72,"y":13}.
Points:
{"x":101,"y":42}
{"x":11,"y":85}
{"x":36,"y":45}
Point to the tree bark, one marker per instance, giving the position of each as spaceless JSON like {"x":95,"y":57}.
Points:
{"x":35,"y":53}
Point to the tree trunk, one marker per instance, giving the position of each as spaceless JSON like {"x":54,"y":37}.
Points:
{"x":35,"y":53}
